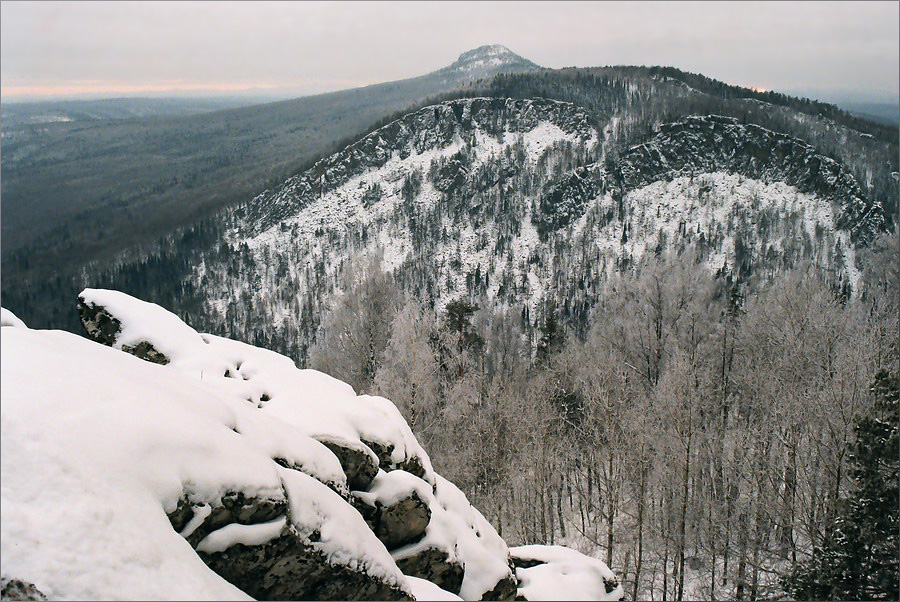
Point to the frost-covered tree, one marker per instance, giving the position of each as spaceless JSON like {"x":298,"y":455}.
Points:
{"x":355,"y":331}
{"x":409,"y":371}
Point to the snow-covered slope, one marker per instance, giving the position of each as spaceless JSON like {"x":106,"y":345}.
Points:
{"x":197,"y":467}
{"x":518,"y":201}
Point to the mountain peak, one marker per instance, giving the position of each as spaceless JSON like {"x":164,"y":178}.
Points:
{"x":491,"y":57}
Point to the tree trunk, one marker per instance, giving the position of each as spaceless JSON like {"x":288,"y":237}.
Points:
{"x":640,"y":543}
{"x":682,"y":521}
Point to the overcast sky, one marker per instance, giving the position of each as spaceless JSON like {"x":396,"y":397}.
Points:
{"x":111,"y":48}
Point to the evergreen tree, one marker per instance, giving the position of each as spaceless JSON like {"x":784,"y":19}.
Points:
{"x":552,"y":336}
{"x":458,"y":320}
{"x":860,"y":559}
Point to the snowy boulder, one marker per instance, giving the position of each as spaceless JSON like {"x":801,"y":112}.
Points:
{"x":358,"y":461}
{"x":8,"y":318}
{"x":461,"y":551}
{"x":104,"y":328}
{"x":436,"y":566}
{"x":396,"y":508}
{"x":427,"y":523}
{"x":560,"y":573}
{"x":124,"y":443}
{"x":403,"y":522}
{"x":388,"y":459}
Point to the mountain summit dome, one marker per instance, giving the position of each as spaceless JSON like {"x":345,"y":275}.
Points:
{"x":491,"y":57}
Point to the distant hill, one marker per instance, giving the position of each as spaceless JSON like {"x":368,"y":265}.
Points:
{"x":879,"y":112}
{"x":81,"y":190}
{"x":15,"y":115}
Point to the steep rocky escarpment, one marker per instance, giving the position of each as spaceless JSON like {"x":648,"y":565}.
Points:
{"x":708,"y":144}
{"x":431,"y":128}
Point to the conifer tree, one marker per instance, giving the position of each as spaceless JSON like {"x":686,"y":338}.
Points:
{"x":860,"y":559}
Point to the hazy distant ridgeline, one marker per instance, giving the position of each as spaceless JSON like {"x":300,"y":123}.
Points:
{"x":16,"y":115}
{"x":81,"y":190}
{"x":879,"y":112}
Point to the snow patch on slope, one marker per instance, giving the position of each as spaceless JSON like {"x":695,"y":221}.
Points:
{"x":718,"y":206}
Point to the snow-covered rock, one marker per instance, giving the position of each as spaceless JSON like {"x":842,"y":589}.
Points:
{"x":98,"y":450}
{"x":213,"y":474}
{"x":321,"y":441}
{"x":560,"y":573}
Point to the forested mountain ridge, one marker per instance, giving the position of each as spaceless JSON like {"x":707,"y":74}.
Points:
{"x":81,"y":191}
{"x":525,"y":203}
{"x":429,"y":128}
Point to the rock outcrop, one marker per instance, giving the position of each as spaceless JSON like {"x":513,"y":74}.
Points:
{"x":224,"y":472}
{"x":707,"y":144}
{"x":264,"y":544}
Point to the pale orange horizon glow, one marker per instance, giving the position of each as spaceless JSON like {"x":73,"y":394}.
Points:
{"x":119,"y":88}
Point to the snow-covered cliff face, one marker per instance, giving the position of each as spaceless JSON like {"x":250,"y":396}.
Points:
{"x":714,"y":144}
{"x":413,"y":144}
{"x":218,"y":470}
{"x":521,"y":200}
